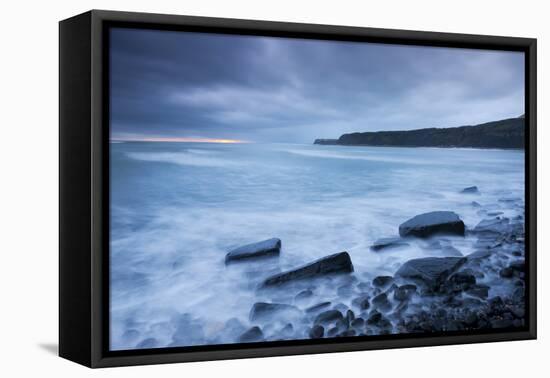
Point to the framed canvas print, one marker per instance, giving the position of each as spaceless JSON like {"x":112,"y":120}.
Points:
{"x":234,"y":188}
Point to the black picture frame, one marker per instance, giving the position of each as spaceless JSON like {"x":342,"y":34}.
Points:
{"x":84,"y":186}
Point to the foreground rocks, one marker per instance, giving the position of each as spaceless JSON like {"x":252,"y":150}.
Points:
{"x":458,"y":289}
{"x":339,"y":263}
{"x":263,"y":249}
{"x":433,"y":223}
{"x":430,"y":272}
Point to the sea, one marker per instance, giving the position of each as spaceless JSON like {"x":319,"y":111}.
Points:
{"x":178,"y":208}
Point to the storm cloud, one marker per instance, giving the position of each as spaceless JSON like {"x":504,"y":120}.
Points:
{"x":267,"y":89}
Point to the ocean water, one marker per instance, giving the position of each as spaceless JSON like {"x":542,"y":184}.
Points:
{"x":178,"y":208}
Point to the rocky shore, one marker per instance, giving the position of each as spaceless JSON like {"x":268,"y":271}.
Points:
{"x":325,"y":298}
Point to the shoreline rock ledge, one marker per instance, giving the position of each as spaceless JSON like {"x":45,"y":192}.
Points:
{"x":263,"y":249}
{"x":337,"y":263}
{"x":435,"y":222}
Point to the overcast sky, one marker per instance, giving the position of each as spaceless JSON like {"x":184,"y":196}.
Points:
{"x":195,"y":85}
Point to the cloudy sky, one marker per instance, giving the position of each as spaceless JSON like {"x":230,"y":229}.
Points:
{"x":195,"y":85}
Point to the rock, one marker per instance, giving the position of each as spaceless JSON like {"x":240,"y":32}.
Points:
{"x":460,"y":281}
{"x":345,"y":290}
{"x":382,"y":281}
{"x":338,"y":263}
{"x":494,"y":226}
{"x":361,"y":302}
{"x":318,"y":307}
{"x":381,"y":302}
{"x":494,"y":213}
{"x":404,"y":292}
{"x":506,"y":272}
{"x":378,"y":320}
{"x":470,"y":190}
{"x":147,"y":343}
{"x":317,"y":332}
{"x":475,"y":204}
{"x":358,"y":323}
{"x":435,"y":222}
{"x":430,"y":271}
{"x":479,"y":255}
{"x":252,"y":335}
{"x":262,"y":311}
{"x":388,"y":243}
{"x":263,"y":249}
{"x":479,"y":291}
{"x":329,"y":316}
{"x":304,"y":294}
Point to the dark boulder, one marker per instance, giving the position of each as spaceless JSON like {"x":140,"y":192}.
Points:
{"x":262,"y":310}
{"x":382,"y":281}
{"x":388,"y":243}
{"x":318,"y":307}
{"x":435,"y":222}
{"x":329,"y":316}
{"x":361,"y":302}
{"x":252,"y":335}
{"x":492,"y":226}
{"x":263,"y":249}
{"x":381,"y":302}
{"x":317,"y":332}
{"x":303,"y":295}
{"x":338,"y":263}
{"x":479,"y":291}
{"x":470,"y":190}
{"x":404,"y":292}
{"x":430,"y":271}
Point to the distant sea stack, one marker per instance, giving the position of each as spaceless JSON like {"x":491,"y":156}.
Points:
{"x":507,"y":133}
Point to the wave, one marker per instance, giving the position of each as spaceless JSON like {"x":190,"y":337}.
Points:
{"x":197,"y":158}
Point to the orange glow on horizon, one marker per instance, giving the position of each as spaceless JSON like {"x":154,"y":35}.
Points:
{"x":180,"y":140}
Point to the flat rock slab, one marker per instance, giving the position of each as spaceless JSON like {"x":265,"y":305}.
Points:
{"x":338,"y":263}
{"x":430,"y":271}
{"x":388,"y":243}
{"x":263,"y":311}
{"x":470,"y":190}
{"x":435,"y":222}
{"x":263,"y":249}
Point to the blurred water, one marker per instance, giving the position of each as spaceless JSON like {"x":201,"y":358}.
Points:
{"x":177,"y":208}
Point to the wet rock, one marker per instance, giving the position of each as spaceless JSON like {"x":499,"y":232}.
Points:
{"x":435,"y":222}
{"x":494,"y":226}
{"x":263,"y":249}
{"x":262,"y":311}
{"x":338,"y":263}
{"x":378,"y":320}
{"x":479,"y":291}
{"x":470,"y":190}
{"x":506,"y":272}
{"x":382,"y":281}
{"x":479,"y":255}
{"x":318,"y":307}
{"x":147,"y":343}
{"x":362,"y":302}
{"x":358,"y":323}
{"x":332,"y":332}
{"x":303,"y":295}
{"x":381,"y":302}
{"x":460,"y":281}
{"x":502,"y":323}
{"x":388,"y":243}
{"x":329,"y":316}
{"x":404,"y":292}
{"x":317,"y":332}
{"x":254,"y":334}
{"x":430,"y":271}
{"x":475,"y":204}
